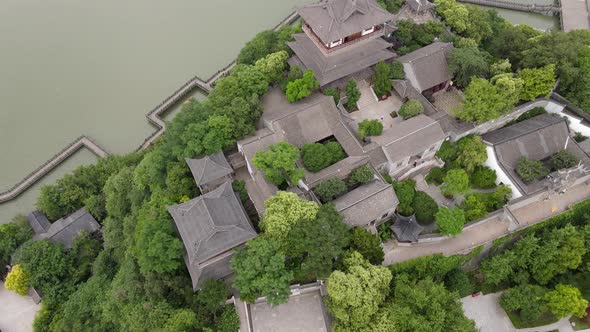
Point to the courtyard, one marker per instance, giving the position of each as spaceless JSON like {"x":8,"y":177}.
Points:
{"x":371,"y":108}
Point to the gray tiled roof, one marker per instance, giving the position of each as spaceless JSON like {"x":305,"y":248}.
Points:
{"x":536,"y":139}
{"x":346,"y":61}
{"x":366,"y":203}
{"x":332,"y":20}
{"x":406,"y":229}
{"x":66,"y":229}
{"x":209,"y":168}
{"x":38,"y":222}
{"x":410,"y":138}
{"x":420,"y":5}
{"x":210,"y":225}
{"x":427,"y":67}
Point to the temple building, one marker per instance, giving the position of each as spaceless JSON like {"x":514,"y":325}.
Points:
{"x":341,"y":37}
{"x":64,"y":230}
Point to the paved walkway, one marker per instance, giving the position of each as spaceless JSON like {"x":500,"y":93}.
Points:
{"x":433,"y":191}
{"x":373,"y":109}
{"x":489,"y":231}
{"x":485,"y":310}
{"x":16,"y":312}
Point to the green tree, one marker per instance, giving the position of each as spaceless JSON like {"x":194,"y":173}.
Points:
{"x":562,"y":160}
{"x":278,"y":163}
{"x":566,"y":300}
{"x":466,"y":63}
{"x":273,"y":66}
{"x":334,"y":150}
{"x":333,"y":92}
{"x":367,"y":245}
{"x":265,"y":43}
{"x":229,"y":320}
{"x":12,"y":235}
{"x":315,"y":156}
{"x":537,"y":82}
{"x":471,"y":152}
{"x":362,"y":175}
{"x":315,"y":246}
{"x":84,"y":251}
{"x":425,"y":207}
{"x":303,"y":87}
{"x":405,"y":191}
{"x":182,"y":320}
{"x":352,"y":94}
{"x":427,"y":306}
{"x":18,"y":280}
{"x":455,"y":182}
{"x":497,"y":269}
{"x":455,"y":15}
{"x":450,"y":221}
{"x":381,"y":79}
{"x":284,"y":210}
{"x":483,"y":177}
{"x":500,"y":67}
{"x":370,"y":128}
{"x":531,"y":170}
{"x":474,"y":207}
{"x":157,"y":248}
{"x":487,"y":100}
{"x":410,"y":109}
{"x":396,"y":72}
{"x":260,"y":271}
{"x":330,"y":189}
{"x":356,"y":294}
{"x":527,"y":300}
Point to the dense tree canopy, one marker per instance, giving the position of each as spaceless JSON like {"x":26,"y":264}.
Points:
{"x":455,"y":182}
{"x":538,"y":82}
{"x":450,"y":221}
{"x":266,"y":42}
{"x":284,"y":210}
{"x":531,"y":170}
{"x":260,"y":271}
{"x":330,"y":189}
{"x":12,"y":235}
{"x":471,"y":152}
{"x":487,"y":100}
{"x":367,"y":245}
{"x":469,"y":62}
{"x":302,"y":87}
{"x":566,"y":300}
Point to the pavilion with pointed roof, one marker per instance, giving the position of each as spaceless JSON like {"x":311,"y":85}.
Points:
{"x":211,"y":226}
{"x":210,"y":171}
{"x":341,"y":37}
{"x":406,"y":229}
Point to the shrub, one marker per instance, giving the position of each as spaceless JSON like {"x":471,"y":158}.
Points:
{"x":579,"y":137}
{"x":315,"y":157}
{"x":330,"y":189}
{"x":474,"y":208}
{"x":333,"y":92}
{"x":370,"y":128}
{"x":353,"y":95}
{"x":531,"y":170}
{"x":295,"y":73}
{"x":410,"y":109}
{"x":381,"y":81}
{"x":334,"y":149}
{"x":396,"y":71}
{"x":405,"y":191}
{"x":455,"y":182}
{"x":450,"y":221}
{"x":436,"y":176}
{"x":362,"y":175}
{"x":18,"y":280}
{"x":483,"y":178}
{"x":447,"y":152}
{"x":424,"y":207}
{"x":562,"y":160}
{"x":384,"y":231}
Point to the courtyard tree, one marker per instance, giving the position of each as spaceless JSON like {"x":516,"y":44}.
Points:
{"x":330,"y":189}
{"x":466,"y":63}
{"x":284,"y":210}
{"x":362,"y":175}
{"x":425,"y":207}
{"x":563,"y":159}
{"x":525,"y":299}
{"x":260,"y":271}
{"x":370,"y":128}
{"x":410,"y":109}
{"x":279,"y":163}
{"x":334,"y":93}
{"x":487,"y":100}
{"x":352,"y":94}
{"x":566,"y":300}
{"x":303,"y":87}
{"x":531,"y":170}
{"x":381,"y":80}
{"x":538,"y":82}
{"x":18,"y":280}
{"x":356,"y":294}
{"x":405,"y":191}
{"x":450,"y":221}
{"x":456,"y":182}
{"x":396,"y":72}
{"x":315,"y":156}
{"x":471,"y":152}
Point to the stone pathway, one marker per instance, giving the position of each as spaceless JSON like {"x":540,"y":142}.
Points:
{"x":432,"y":191}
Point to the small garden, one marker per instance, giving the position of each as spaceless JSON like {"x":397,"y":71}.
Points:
{"x":530,"y":171}
{"x":335,"y":187}
{"x":465,"y":180}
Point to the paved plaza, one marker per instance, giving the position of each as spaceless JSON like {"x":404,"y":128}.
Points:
{"x":16,"y":312}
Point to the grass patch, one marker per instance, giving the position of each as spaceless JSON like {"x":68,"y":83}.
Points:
{"x":545,"y":319}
